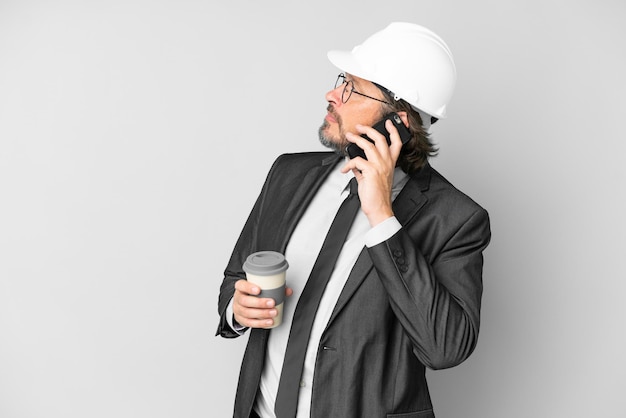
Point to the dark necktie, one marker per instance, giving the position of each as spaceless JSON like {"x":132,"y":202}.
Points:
{"x":287,"y":397}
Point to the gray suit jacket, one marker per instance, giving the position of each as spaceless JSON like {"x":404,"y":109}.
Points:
{"x":409,"y":303}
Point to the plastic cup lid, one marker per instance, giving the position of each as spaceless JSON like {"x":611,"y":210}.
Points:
{"x":265,"y":263}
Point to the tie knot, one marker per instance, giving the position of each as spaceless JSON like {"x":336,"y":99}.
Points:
{"x":354,"y":186}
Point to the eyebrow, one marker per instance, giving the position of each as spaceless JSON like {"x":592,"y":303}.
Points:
{"x":350,"y":77}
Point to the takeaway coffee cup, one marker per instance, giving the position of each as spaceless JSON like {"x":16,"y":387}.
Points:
{"x":267,"y":269}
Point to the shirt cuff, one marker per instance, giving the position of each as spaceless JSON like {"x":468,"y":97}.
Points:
{"x":382,"y":232}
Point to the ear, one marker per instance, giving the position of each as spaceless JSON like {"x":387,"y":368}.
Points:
{"x":404,"y":117}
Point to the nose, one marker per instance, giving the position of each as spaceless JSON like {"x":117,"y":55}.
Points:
{"x":334,"y":96}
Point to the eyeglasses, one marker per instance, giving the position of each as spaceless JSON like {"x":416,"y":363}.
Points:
{"x":348,"y":89}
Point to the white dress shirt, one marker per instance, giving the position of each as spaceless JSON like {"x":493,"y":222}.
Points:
{"x":301,"y":252}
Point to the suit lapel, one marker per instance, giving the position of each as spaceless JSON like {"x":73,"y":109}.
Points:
{"x":406,"y":205}
{"x":301,"y":196}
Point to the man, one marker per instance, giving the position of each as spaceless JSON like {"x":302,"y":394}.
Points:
{"x":406,"y":289}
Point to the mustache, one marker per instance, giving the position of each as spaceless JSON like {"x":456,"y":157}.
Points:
{"x":330,"y":109}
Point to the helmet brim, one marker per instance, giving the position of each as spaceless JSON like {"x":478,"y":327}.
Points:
{"x":346,"y":62}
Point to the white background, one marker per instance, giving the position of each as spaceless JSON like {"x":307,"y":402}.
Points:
{"x":134,"y":138}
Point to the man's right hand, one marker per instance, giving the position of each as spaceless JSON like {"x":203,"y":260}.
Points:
{"x":251,"y":311}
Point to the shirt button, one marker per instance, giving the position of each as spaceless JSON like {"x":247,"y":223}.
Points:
{"x":302,"y":383}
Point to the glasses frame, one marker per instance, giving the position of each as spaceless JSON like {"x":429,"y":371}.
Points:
{"x":342,"y":80}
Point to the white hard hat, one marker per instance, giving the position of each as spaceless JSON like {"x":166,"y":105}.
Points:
{"x":412,"y":62}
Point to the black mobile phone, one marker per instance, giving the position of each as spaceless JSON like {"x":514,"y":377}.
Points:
{"x":354,"y":150}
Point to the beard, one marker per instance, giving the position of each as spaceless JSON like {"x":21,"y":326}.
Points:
{"x":336,"y":144}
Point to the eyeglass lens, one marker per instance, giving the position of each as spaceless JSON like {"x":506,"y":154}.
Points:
{"x":347,"y":89}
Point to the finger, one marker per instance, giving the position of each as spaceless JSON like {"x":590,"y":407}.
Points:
{"x":394,"y":136}
{"x":251,"y":311}
{"x":256,"y":318}
{"x":368,"y":147}
{"x":245,"y":297}
{"x":356,"y":165}
{"x":363,"y":142}
{"x":370,"y":132}
{"x":254,"y":313}
{"x":251,"y":301}
{"x":247,"y":287}
{"x":380,"y":141}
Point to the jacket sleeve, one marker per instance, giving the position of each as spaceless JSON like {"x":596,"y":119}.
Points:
{"x":246,"y":245}
{"x":437,"y":297}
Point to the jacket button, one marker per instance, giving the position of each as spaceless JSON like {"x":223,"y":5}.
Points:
{"x":397,"y":253}
{"x":400,"y":260}
{"x":404,"y":268}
